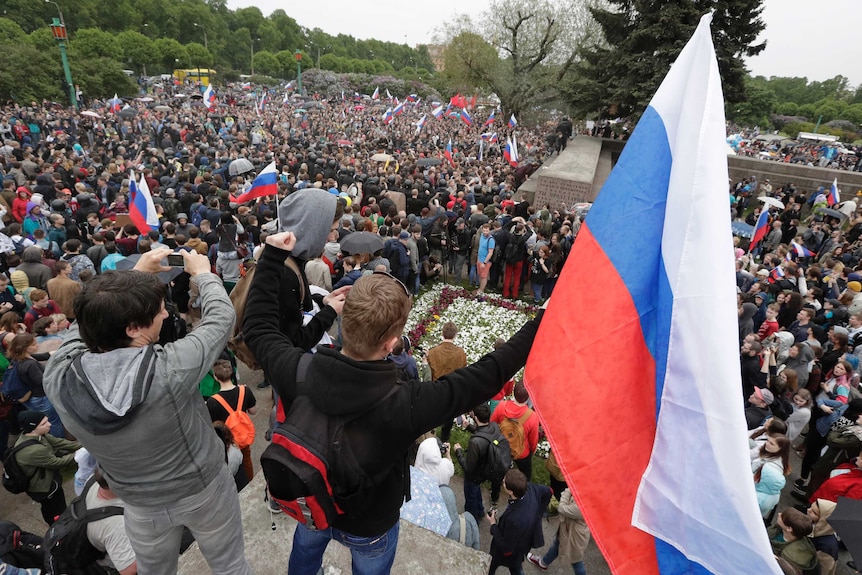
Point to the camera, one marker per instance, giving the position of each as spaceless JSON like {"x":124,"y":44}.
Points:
{"x":443,"y":448}
{"x":176,"y":261}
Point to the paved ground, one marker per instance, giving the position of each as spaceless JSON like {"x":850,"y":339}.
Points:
{"x":21,"y":510}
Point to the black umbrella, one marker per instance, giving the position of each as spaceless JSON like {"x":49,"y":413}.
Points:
{"x":362,"y":243}
{"x":127,"y":113}
{"x":164,"y":277}
{"x":429,"y":162}
{"x":831,"y":213}
{"x":847,"y":522}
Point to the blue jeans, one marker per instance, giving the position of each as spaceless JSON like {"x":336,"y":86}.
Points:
{"x":537,"y":291}
{"x":44,"y":405}
{"x":371,"y":555}
{"x":554,"y":551}
{"x":474,"y":275}
{"x":473,"y":500}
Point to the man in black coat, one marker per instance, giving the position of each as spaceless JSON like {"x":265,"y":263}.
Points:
{"x":358,"y":382}
{"x":519,"y":529}
{"x":474,"y":463}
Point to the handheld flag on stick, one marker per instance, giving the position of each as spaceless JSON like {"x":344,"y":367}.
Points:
{"x":265,"y":184}
{"x":514,"y":157}
{"x":142,"y":211}
{"x":388,"y":95}
{"x":115,"y":104}
{"x":802,"y":251}
{"x":448,"y":153}
{"x":833,"y":199}
{"x":437,"y":112}
{"x":663,"y":195}
{"x":466,"y":118}
{"x":376,"y":93}
{"x":507,"y":151}
{"x":761,"y":228}
{"x":512,"y":121}
{"x":490,"y":119}
{"x":420,"y":124}
{"x":210,"y":97}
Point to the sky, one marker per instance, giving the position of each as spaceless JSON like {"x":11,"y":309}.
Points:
{"x":815,"y":40}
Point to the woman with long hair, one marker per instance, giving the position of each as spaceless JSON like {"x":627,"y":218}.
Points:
{"x":770,"y":471}
{"x":30,"y":371}
{"x":796,"y":422}
{"x":10,"y":326}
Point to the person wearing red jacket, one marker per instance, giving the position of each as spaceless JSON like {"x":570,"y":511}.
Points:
{"x":847,"y":484}
{"x":19,"y":204}
{"x":518,"y":410}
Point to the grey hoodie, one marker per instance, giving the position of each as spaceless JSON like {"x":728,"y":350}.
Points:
{"x":138,"y":410}
{"x":309,"y":214}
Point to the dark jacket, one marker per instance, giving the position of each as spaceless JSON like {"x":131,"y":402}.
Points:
{"x":338,"y":385}
{"x":473,"y":463}
{"x":519,"y":528}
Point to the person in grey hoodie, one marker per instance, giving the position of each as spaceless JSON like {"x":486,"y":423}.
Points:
{"x":135,"y":405}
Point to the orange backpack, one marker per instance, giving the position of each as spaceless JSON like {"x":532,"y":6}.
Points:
{"x":238,"y":421}
{"x":513,"y":430}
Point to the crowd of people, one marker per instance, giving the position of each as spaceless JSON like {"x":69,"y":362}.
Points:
{"x":800,"y":320}
{"x":832,"y":155}
{"x":96,"y":395}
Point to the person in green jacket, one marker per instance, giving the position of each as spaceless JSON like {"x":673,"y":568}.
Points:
{"x":42,"y":461}
{"x":790,"y":541}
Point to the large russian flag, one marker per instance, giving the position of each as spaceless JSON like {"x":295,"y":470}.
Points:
{"x":142,"y":211}
{"x":635,"y":368}
{"x":265,"y":184}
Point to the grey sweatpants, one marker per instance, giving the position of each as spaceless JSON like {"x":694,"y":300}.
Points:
{"x":213,"y":516}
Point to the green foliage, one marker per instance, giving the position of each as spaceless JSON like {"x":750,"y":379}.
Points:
{"x":138,"y":50}
{"x":39,"y":79}
{"x":787,"y":108}
{"x":853,"y":113}
{"x":171,"y":54}
{"x":95,"y":43}
{"x":42,"y":39}
{"x":98,"y":77}
{"x":199,"y":56}
{"x":643,"y":38}
{"x":267,"y":63}
{"x":756,"y":108}
{"x":10,"y":30}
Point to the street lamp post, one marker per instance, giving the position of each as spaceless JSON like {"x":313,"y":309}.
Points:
{"x":252,"y":54}
{"x":62,"y":22}
{"x":298,"y":56}
{"x":58,"y":29}
{"x":206,"y":43}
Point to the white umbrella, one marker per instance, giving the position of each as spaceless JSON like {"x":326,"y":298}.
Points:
{"x":90,"y":113}
{"x":771,"y":202}
{"x":381,"y":157}
{"x":145,"y":99}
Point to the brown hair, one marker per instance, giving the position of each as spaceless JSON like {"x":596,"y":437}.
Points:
{"x":223,"y":370}
{"x":375,"y":311}
{"x":19,"y":345}
{"x":516,"y":482}
{"x":520,"y":392}
{"x":450,"y":330}
{"x":798,"y":522}
{"x":38,"y":294}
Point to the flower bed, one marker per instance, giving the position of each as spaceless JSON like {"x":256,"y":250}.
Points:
{"x":481,"y":319}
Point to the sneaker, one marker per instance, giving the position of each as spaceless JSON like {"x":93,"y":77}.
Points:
{"x":800,"y":486}
{"x":272,"y":505}
{"x":537,"y":561}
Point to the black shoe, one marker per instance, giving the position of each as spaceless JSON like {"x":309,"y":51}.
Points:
{"x":263,"y":384}
{"x":799,"y":496}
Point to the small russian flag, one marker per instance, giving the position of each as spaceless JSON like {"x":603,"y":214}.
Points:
{"x":115,"y":104}
{"x":761,"y":228}
{"x":265,"y":184}
{"x":801,"y":251}
{"x":399,"y":109}
{"x":507,"y":151}
{"x":447,"y":153}
{"x":420,"y":124}
{"x":490,"y":119}
{"x":437,"y":112}
{"x":142,"y":211}
{"x":466,"y":117}
{"x":411,"y":98}
{"x":376,"y":93}
{"x":833,"y":198}
{"x":512,"y":121}
{"x":387,"y":115}
{"x":210,"y":97}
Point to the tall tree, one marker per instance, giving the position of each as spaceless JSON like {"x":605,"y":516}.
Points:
{"x":642,"y":38}
{"x":521,"y":49}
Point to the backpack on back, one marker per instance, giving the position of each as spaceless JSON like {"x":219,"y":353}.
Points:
{"x":13,"y":386}
{"x":238,"y":421}
{"x":239,"y":297}
{"x":513,"y":430}
{"x":14,"y":478}
{"x":310,"y":468}
{"x":499,"y":458}
{"x":67,"y":548}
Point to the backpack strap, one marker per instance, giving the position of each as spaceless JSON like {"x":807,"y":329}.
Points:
{"x":462,"y":537}
{"x":12,"y":452}
{"x":291,"y":264}
{"x":230,"y":411}
{"x":525,"y":416}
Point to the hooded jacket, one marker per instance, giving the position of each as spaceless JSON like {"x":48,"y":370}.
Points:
{"x":138,"y":411}
{"x":309,"y":214}
{"x":799,"y":364}
{"x":38,"y":273}
{"x":338,"y":385}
